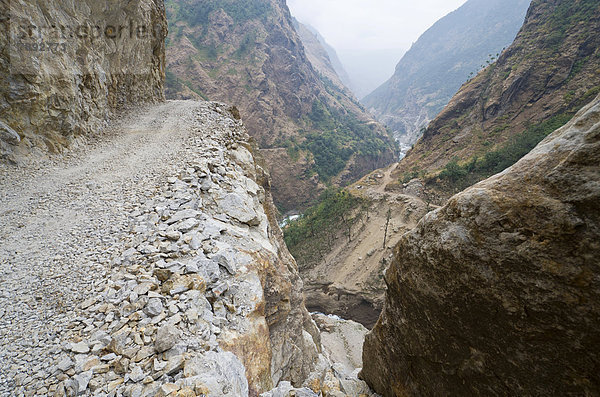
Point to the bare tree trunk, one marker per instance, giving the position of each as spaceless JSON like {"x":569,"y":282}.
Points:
{"x":387,"y":224}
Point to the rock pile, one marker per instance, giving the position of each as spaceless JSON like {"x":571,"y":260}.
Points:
{"x":189,"y":292}
{"x":176,"y":283}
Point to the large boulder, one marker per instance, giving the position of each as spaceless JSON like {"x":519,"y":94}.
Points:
{"x":497,"y":293}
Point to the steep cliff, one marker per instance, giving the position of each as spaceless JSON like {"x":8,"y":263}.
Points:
{"x":248,"y":53}
{"x":497,"y":292}
{"x":66,"y":66}
{"x":545,"y":76}
{"x":441,"y":60}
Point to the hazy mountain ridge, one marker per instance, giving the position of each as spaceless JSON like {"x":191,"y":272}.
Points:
{"x":538,"y":83}
{"x":323,"y":57}
{"x":441,"y":60}
{"x":249,"y":54}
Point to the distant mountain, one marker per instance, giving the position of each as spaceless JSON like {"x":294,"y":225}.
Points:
{"x":441,"y":61}
{"x":369,"y":68}
{"x":323,"y":57}
{"x":248,"y":54}
{"x":550,"y":72}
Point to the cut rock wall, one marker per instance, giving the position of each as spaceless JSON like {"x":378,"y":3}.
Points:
{"x":67,"y":66}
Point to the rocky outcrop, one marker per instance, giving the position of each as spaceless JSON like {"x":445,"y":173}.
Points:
{"x":67,"y":66}
{"x":335,"y":374}
{"x":248,"y":54}
{"x":443,"y":58}
{"x":497,"y":292}
{"x":548,"y":73}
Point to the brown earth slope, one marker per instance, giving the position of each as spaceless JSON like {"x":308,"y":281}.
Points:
{"x":346,"y":277}
{"x":497,"y":293}
{"x":552,"y":69}
{"x":248,"y":53}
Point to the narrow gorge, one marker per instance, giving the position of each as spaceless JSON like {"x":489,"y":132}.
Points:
{"x":141,"y":252}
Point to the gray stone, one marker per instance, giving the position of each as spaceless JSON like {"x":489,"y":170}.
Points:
{"x":191,"y":268}
{"x":226,"y":262}
{"x":240,"y":208}
{"x":83,"y":380}
{"x":154,"y":307}
{"x":8,"y":134}
{"x":209,"y":269}
{"x":173,"y":235}
{"x":222,"y":373}
{"x":137,"y":374}
{"x":285,"y":389}
{"x":109,"y":357}
{"x":167,"y":336}
{"x":174,"y":365}
{"x":181,"y":215}
{"x":187,"y":225}
{"x":65,"y":364}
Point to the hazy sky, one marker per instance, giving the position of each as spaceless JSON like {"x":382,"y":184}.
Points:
{"x":371,"y":24}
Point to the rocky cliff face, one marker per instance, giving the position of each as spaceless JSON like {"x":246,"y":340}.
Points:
{"x":549,"y":72}
{"x":497,"y":292}
{"x":249,"y":54}
{"x":67,"y":66}
{"x":441,"y":60}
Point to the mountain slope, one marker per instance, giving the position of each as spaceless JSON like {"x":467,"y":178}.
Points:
{"x":319,"y":52}
{"x":550,"y":71}
{"x":441,"y":61}
{"x":247,"y":53}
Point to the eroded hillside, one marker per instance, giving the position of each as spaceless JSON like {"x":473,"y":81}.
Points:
{"x":344,"y":244}
{"x":249,"y":54}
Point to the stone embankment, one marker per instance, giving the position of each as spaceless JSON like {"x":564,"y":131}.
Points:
{"x":149,"y":263}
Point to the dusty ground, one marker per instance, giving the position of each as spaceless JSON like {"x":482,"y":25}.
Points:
{"x":349,"y":281}
{"x":61,"y":222}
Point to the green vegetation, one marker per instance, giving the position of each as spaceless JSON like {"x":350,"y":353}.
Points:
{"x":568,"y":14}
{"x":248,"y":43}
{"x":198,"y":12}
{"x":460,"y":176}
{"x":311,"y":236}
{"x":336,"y":136}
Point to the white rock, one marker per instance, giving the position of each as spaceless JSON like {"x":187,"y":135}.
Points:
{"x":181,"y":215}
{"x":80,"y":348}
{"x":187,"y":225}
{"x":137,"y":374}
{"x":65,"y":364}
{"x":83,"y":380}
